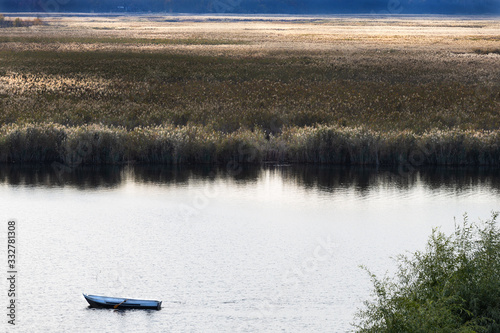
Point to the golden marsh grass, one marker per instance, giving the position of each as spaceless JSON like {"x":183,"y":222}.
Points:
{"x":206,"y":89}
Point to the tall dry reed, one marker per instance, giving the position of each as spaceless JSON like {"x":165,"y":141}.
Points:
{"x":168,"y":144}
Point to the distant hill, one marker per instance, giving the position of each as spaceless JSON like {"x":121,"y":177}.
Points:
{"x":258,"y":6}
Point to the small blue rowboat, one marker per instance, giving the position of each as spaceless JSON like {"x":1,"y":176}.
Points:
{"x":121,"y":303}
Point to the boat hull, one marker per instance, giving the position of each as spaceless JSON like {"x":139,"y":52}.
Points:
{"x":121,"y":303}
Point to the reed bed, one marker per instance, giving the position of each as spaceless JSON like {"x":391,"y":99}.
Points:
{"x":193,"y":92}
{"x":380,"y":92}
{"x":100,"y":144}
{"x":360,"y":146}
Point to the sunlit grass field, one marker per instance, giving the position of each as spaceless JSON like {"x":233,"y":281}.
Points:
{"x":210,"y":90}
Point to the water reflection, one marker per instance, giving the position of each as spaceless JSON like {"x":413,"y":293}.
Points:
{"x":48,"y":176}
{"x":362,"y":179}
{"x":324,"y":178}
{"x":157,"y":174}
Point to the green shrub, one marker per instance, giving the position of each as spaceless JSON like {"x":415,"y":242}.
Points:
{"x":454,"y":286}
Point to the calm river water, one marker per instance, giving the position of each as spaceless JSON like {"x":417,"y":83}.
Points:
{"x":270,"y":249}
